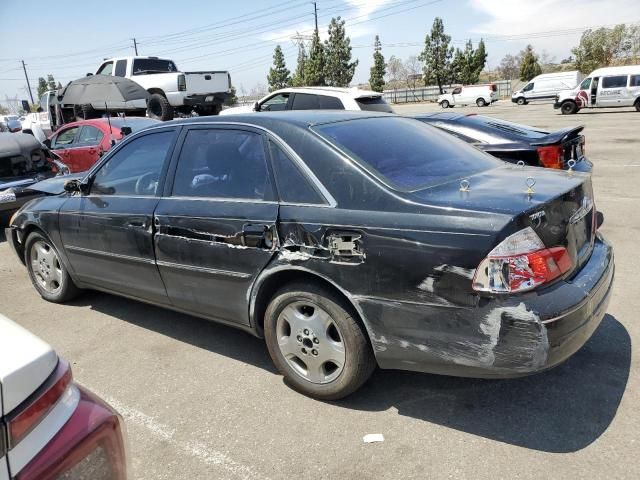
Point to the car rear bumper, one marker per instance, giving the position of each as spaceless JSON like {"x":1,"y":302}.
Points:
{"x":91,"y":444}
{"x":205,"y":100}
{"x":500,"y":337}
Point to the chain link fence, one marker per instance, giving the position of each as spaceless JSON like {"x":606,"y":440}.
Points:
{"x":430,"y":94}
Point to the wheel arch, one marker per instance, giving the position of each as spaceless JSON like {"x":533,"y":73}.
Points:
{"x":158,"y":91}
{"x":269,"y":282}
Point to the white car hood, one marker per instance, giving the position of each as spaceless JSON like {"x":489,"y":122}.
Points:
{"x":237,"y":110}
{"x":25,"y":363}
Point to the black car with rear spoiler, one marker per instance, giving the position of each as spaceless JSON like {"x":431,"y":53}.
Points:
{"x":512,"y":142}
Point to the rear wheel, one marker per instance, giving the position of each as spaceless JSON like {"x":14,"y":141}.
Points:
{"x":568,"y":108}
{"x":481,"y":103}
{"x":316,"y":343}
{"x":637,"y":105}
{"x":159,"y":108}
{"x":444,"y":104}
{"x":47,"y":272}
{"x":521,"y":101}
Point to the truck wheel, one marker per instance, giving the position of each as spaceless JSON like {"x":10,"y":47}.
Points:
{"x":568,"y":108}
{"x":316,"y":342}
{"x":521,"y":101}
{"x":481,"y":103}
{"x":444,"y":104}
{"x":158,"y":108}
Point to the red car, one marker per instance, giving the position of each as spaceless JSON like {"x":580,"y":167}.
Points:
{"x":80,"y":144}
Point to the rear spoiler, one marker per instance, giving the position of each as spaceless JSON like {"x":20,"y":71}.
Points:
{"x":559,"y":136}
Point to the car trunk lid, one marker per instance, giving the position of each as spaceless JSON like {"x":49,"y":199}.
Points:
{"x":25,"y":363}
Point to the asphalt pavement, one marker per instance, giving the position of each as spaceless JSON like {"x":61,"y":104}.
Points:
{"x":203,"y":401}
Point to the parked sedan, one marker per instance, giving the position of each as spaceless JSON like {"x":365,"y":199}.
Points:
{"x":346,"y":239}
{"x":514,"y":143}
{"x":50,"y":427}
{"x":80,"y":144}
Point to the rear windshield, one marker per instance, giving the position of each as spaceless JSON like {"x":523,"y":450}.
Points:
{"x":374,"y":104}
{"x":144,"y":66}
{"x":514,"y":129}
{"x":405,"y":153}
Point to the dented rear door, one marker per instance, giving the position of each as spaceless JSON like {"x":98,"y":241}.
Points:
{"x":215,"y":232}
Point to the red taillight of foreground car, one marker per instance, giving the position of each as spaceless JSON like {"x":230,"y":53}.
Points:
{"x":520,"y":263}
{"x":551,"y":156}
{"x":89,"y":446}
{"x":38,"y":405}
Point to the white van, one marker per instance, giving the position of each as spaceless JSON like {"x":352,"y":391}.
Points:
{"x":546,"y":86}
{"x":481,"y":95}
{"x":603,"y":88}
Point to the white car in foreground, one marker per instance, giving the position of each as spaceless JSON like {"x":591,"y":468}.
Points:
{"x":316,"y":98}
{"x":50,"y":427}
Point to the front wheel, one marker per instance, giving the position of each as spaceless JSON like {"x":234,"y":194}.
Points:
{"x":159,"y":108}
{"x":481,"y":103}
{"x":47,"y":272}
{"x":521,"y":101}
{"x":444,"y":104}
{"x":316,"y":343}
{"x":568,"y":108}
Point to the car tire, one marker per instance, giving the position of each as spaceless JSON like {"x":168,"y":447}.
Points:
{"x":445,"y":104}
{"x":568,"y":108}
{"x":316,"y":342}
{"x":481,"y":103}
{"x":521,"y":101}
{"x":637,"y":105}
{"x":159,"y":108}
{"x":47,"y":271}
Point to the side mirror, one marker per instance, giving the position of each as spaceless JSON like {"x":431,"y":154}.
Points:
{"x":72,"y":186}
{"x":126,"y":131}
{"x":256,"y":107}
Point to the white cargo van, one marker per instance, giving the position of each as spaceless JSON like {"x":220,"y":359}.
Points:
{"x":546,"y":86}
{"x":603,"y":88}
{"x":481,"y":95}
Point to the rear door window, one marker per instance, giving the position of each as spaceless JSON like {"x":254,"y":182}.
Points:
{"x":65,"y":138}
{"x":90,"y":136}
{"x":223,"y":163}
{"x":305,"y":101}
{"x":404,"y":153}
{"x":121,"y":68}
{"x":293,"y":185}
{"x":634,"y":81}
{"x":374,"y":104}
{"x":618,"y":81}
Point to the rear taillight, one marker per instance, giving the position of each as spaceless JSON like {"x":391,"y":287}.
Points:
{"x":551,"y":156}
{"x":28,"y":415}
{"x":182,"y":83}
{"x":519,"y":263}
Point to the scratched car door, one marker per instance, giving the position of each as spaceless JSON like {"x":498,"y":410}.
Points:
{"x":215,"y":229}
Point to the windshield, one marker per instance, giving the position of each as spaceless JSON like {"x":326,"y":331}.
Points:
{"x":374,"y":104}
{"x":405,"y":153}
{"x":143,"y":66}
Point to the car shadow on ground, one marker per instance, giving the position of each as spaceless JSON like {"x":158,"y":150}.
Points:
{"x":562,"y":410}
{"x":201,"y":333}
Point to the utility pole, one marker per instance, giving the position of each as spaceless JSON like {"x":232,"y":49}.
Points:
{"x":315,"y":13}
{"x":135,"y":46}
{"x":24,"y":67}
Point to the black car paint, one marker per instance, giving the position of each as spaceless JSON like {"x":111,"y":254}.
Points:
{"x":404,"y":260}
{"x":508,"y":146}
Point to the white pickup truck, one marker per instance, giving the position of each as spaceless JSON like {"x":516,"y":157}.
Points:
{"x":171,"y":90}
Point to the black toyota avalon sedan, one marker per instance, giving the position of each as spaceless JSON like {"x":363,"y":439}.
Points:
{"x":348,"y":240}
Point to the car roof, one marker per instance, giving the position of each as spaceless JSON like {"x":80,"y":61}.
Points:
{"x":300,"y":118}
{"x":350,"y":92}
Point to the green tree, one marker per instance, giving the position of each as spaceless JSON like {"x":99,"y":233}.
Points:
{"x":378,"y":70}
{"x":297,"y":80}
{"x":529,"y":67}
{"x":314,"y":71}
{"x":437,"y":55}
{"x":339,"y":69}
{"x":42,"y":86}
{"x":279,"y":75}
{"x":598,"y":48}
{"x":479,"y":59}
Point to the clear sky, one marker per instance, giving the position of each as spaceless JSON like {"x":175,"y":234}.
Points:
{"x":69,"y":38}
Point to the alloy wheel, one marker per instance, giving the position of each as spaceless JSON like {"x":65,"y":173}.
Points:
{"x":46,"y":267}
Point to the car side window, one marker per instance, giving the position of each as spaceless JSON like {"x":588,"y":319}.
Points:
{"x":134,"y":169}
{"x":634,"y":81}
{"x":275,"y":103}
{"x":528,"y":88}
{"x":456,"y":91}
{"x":585,"y":84}
{"x":305,"y":101}
{"x":65,"y":138}
{"x":105,"y":69}
{"x":221,"y":163}
{"x":618,"y":81}
{"x":330,"y":103}
{"x":293,"y":185}
{"x":121,"y":68}
{"x":90,"y":136}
